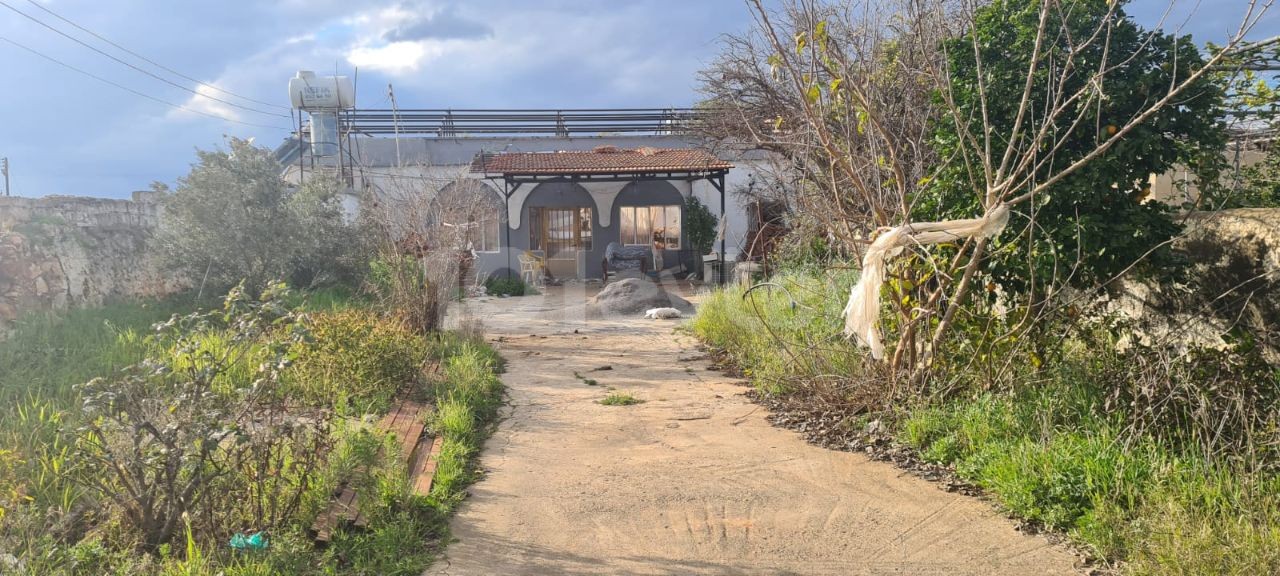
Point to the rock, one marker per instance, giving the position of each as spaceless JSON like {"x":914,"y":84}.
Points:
{"x":631,"y":296}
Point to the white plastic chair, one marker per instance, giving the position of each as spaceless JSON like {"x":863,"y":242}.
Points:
{"x":531,"y":268}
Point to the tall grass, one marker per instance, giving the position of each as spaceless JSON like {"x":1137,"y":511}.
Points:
{"x":353,"y":363}
{"x":48,"y":353}
{"x":41,"y":362}
{"x":1055,"y":452}
{"x":467,"y":401}
{"x":781,"y":333}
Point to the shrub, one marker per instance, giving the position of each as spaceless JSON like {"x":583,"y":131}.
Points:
{"x":233,"y":218}
{"x":409,"y":288}
{"x":699,"y":225}
{"x":354,"y":358}
{"x":1223,"y":402}
{"x":159,"y":434}
{"x":502,"y":286}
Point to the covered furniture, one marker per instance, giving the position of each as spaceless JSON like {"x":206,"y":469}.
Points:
{"x":618,"y":257}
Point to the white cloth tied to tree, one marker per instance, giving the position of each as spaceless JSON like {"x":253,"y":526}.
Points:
{"x":862,"y":313}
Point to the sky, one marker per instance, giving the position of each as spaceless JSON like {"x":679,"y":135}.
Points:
{"x":67,"y":133}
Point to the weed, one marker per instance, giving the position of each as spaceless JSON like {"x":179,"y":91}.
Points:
{"x":620,"y":399}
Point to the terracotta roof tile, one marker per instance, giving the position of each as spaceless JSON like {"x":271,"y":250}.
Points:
{"x":602,"y":160}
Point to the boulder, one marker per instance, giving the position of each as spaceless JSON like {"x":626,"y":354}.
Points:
{"x":632,"y":296}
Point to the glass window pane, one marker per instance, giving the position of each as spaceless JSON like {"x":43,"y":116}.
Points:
{"x":644,"y":226}
{"x":658,"y":217}
{"x":490,"y":237}
{"x":560,"y":235}
{"x":627,"y":226}
{"x":584,"y":228}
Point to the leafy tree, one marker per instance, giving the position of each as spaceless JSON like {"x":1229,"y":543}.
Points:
{"x":1253,"y":104}
{"x":699,"y":225}
{"x":1260,"y":183}
{"x":1094,"y":222}
{"x":233,"y":218}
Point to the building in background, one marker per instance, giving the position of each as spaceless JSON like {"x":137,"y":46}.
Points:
{"x":564,"y":184}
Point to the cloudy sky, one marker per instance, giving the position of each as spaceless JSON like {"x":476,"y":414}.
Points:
{"x":67,"y":133}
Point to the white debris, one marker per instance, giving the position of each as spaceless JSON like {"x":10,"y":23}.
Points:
{"x":662,"y":313}
{"x":862,"y":313}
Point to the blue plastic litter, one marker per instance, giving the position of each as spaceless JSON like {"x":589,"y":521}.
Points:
{"x":255,"y":541}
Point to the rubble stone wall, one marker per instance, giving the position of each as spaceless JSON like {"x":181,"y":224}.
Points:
{"x":62,"y":252}
{"x":1229,"y":293}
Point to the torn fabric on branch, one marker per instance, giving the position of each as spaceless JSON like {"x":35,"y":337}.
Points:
{"x":862,"y":313}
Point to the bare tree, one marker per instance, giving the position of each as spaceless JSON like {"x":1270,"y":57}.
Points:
{"x":854,"y":95}
{"x":427,"y":228}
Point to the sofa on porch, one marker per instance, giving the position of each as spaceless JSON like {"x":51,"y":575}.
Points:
{"x":618,"y":258}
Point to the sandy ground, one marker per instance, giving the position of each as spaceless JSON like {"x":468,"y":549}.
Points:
{"x":693,"y":480}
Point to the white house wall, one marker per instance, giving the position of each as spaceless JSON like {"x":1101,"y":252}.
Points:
{"x":604,"y":194}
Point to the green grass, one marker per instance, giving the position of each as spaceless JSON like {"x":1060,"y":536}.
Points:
{"x":41,"y":362}
{"x":467,"y":401}
{"x":48,"y":353}
{"x":620,"y":399}
{"x":776,"y":333}
{"x":1054,"y":452}
{"x":1123,"y":498}
{"x":352,"y":364}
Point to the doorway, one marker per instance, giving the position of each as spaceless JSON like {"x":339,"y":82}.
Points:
{"x":564,"y":236}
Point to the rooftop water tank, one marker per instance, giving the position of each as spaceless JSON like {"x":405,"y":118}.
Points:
{"x":310,"y":92}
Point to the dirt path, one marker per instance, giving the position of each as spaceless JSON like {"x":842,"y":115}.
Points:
{"x":694,"y":480}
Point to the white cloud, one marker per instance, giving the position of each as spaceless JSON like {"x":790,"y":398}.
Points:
{"x":394,"y":58}
{"x":205,"y":103}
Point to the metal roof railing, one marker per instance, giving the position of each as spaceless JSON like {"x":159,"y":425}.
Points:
{"x":562,"y":123}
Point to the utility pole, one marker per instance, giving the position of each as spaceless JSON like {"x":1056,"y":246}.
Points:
{"x":395,"y":122}
{"x":4,"y":167}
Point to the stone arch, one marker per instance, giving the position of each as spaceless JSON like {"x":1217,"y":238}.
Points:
{"x":476,"y":204}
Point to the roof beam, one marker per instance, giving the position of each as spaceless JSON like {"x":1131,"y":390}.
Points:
{"x":688,"y":175}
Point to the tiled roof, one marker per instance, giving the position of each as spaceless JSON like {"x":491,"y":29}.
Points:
{"x":602,"y":160}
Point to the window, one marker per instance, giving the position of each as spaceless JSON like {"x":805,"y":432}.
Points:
{"x":645,"y":225}
{"x":471,"y":207}
{"x":486,"y":234}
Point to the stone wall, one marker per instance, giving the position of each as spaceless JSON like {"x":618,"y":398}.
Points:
{"x":62,"y":252}
{"x":1230,"y":292}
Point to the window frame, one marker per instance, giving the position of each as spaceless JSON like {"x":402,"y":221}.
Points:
{"x":659,"y":210}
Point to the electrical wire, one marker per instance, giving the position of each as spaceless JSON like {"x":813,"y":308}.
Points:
{"x":135,"y":92}
{"x":147,"y":72}
{"x":150,"y":61}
